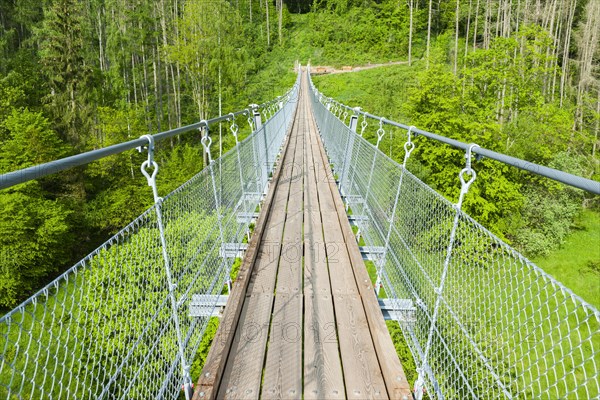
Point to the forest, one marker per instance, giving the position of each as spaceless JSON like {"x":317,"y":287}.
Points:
{"x":517,"y":76}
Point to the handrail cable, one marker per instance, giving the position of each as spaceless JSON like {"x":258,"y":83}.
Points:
{"x":579,"y":182}
{"x":39,"y":171}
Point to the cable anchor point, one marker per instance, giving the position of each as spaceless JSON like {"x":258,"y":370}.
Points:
{"x":150,"y":164}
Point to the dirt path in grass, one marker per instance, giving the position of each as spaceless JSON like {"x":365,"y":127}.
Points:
{"x":326,"y":69}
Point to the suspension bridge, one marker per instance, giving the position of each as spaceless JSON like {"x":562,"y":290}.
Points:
{"x":302,"y":201}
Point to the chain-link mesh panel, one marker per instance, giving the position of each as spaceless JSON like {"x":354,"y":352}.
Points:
{"x":106,"y":328}
{"x":488,"y":323}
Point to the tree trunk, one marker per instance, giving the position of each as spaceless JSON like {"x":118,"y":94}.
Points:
{"x":486,"y":25}
{"x":588,"y":47}
{"x":280,"y":20}
{"x":101,"y":38}
{"x":268,"y":28}
{"x":157,"y":92}
{"x":551,"y":19}
{"x":565,"y":62}
{"x":467,"y":34}
{"x":556,"y":44}
{"x":428,"y":33}
{"x":135,"y":98}
{"x":145,"y":93}
{"x":498,"y":19}
{"x":456,"y":37}
{"x":475,"y":27}
{"x":597,"y":129}
{"x":410,"y":31}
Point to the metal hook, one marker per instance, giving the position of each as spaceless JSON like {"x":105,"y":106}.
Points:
{"x":206,"y":141}
{"x":468,"y":155}
{"x":465,"y":184}
{"x":380,"y":131}
{"x":234,"y":128}
{"x":150,"y":148}
{"x":409,"y":146}
{"x":150,"y":161}
{"x":363,"y":125}
{"x":150,"y":177}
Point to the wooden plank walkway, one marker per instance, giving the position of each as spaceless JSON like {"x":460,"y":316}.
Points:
{"x":303,"y":320}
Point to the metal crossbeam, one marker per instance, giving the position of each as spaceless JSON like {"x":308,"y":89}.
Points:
{"x":372,"y":253}
{"x":208,"y":305}
{"x":247,"y":217}
{"x":357,"y":219}
{"x":402,"y":310}
{"x":233,"y":250}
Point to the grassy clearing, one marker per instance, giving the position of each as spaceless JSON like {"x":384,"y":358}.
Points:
{"x":382,"y":90}
{"x":577,"y":263}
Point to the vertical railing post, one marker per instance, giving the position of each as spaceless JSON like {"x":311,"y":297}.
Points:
{"x":353,"y":171}
{"x":256,"y":118}
{"x":465,"y":184}
{"x":380,"y":134}
{"x":151,"y":178}
{"x":234,"y":128}
{"x":409,"y":146}
{"x":348,"y":152}
{"x":206,"y":142}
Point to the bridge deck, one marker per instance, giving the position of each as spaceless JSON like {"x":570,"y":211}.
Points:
{"x":303,"y":320}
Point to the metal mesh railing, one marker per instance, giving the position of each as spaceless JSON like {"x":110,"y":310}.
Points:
{"x":488,"y":323}
{"x":117,"y":324}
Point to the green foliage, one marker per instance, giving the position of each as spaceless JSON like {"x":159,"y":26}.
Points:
{"x":437,"y":104}
{"x":69,"y":77}
{"x":34,"y":230}
{"x":202,"y":353}
{"x":383,"y":89}
{"x":550,"y":209}
{"x":403,"y":351}
{"x":208,"y":48}
{"x":529,"y":212}
{"x":378,"y":32}
{"x":34,"y":241}
{"x":83,"y":75}
{"x":30,"y":141}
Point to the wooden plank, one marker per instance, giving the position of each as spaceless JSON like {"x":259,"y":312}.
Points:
{"x":361,"y":369}
{"x":396,"y":383}
{"x":283,"y":369}
{"x":207,"y":385}
{"x":242,"y":375}
{"x":263,"y":279}
{"x":340,"y":270}
{"x":323,"y":378}
{"x":294,"y":213}
{"x":362,"y":375}
{"x":265,"y":267}
{"x":322,"y":367}
{"x":316,"y":273}
{"x":239,"y":380}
